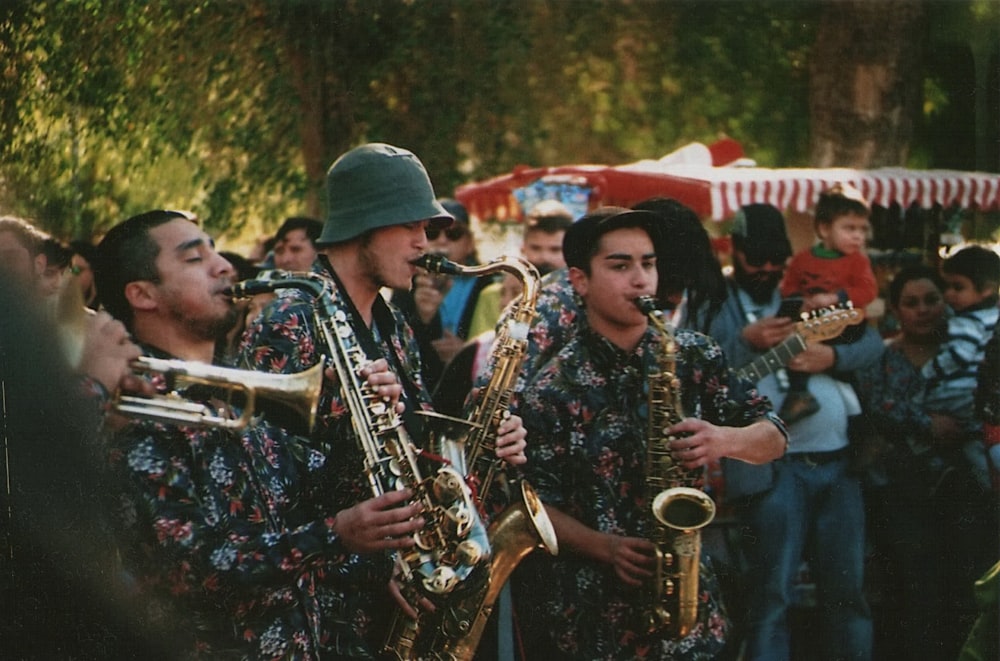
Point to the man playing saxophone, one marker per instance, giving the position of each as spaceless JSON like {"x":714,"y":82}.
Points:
{"x":380,"y":204}
{"x":230,"y":537}
{"x":587,"y":412}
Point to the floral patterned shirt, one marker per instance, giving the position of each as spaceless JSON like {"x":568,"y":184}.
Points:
{"x":231,"y":537}
{"x":284,"y":338}
{"x":585,"y":411}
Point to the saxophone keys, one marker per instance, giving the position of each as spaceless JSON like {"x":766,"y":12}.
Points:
{"x":460,"y":519}
{"x":448,"y":486}
{"x":469,"y":553}
{"x":441,"y":581}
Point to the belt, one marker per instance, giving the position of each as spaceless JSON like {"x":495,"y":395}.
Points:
{"x":817,"y":458}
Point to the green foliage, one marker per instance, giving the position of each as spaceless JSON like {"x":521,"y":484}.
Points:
{"x":235,"y":109}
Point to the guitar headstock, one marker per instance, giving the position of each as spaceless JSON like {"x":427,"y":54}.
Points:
{"x":827,"y":323}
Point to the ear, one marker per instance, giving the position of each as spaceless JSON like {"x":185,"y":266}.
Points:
{"x":579,"y":280}
{"x":40,"y":261}
{"x":141,"y":295}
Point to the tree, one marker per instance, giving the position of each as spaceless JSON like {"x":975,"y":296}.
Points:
{"x":865,"y":83}
{"x":235,"y":110}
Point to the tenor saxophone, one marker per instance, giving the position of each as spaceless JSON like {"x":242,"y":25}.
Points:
{"x":453,"y":542}
{"x":523,"y":526}
{"x":679,"y":510}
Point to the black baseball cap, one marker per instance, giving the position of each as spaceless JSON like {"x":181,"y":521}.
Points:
{"x":580,"y":240}
{"x":759,"y":232}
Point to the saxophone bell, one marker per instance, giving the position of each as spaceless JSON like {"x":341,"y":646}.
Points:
{"x":518,"y":530}
{"x":683,"y":508}
{"x":678,"y":510}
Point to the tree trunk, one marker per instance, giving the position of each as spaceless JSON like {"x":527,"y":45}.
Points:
{"x":865,"y":85}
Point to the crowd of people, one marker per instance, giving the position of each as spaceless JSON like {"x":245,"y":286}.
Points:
{"x":864,"y":468}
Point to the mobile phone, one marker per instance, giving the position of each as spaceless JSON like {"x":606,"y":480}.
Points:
{"x":790,"y":307}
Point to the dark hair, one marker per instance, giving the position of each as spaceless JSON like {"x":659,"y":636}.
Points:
{"x":26,"y":234}
{"x":908,"y":274}
{"x":245,"y":269}
{"x":56,"y":252}
{"x":978,"y":264}
{"x":84,"y":249}
{"x":548,"y":224}
{"x":127,"y":254}
{"x":840,"y":200}
{"x":312,"y":227}
{"x":685,"y":259}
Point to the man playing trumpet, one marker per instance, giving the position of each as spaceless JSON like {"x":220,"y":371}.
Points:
{"x":232,"y":532}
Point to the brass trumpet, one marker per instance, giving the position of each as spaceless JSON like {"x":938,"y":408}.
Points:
{"x":298,"y":393}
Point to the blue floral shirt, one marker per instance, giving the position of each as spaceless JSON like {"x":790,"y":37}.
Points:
{"x":230,"y":536}
{"x":284,"y":338}
{"x":586,"y":414}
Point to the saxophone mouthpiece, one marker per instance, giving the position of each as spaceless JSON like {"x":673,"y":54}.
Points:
{"x":647,"y":304}
{"x":437,"y":264}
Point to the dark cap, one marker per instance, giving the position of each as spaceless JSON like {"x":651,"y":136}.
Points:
{"x":456,"y":209}
{"x":378,"y":185}
{"x":759,"y":232}
{"x":580,"y":240}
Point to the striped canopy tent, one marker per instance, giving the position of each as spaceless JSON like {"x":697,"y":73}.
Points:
{"x":695,"y":176}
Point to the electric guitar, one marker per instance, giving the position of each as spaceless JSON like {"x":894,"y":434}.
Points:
{"x":818,"y":325}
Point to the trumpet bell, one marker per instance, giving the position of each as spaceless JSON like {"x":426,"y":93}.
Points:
{"x":242,"y":394}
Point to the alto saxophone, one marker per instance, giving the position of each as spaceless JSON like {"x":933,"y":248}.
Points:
{"x":453,"y":542}
{"x":523,"y":526}
{"x":679,"y":509}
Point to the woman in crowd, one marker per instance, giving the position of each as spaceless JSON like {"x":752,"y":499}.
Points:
{"x":931,"y":524}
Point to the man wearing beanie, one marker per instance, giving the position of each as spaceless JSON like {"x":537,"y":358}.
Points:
{"x":806,"y":503}
{"x":381,"y":205}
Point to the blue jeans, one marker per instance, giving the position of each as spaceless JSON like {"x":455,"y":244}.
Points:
{"x":814,"y":511}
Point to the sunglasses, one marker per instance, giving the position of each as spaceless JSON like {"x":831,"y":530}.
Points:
{"x":452,"y":233}
{"x":77,"y":270}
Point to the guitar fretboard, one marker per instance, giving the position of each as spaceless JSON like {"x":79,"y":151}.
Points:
{"x":773,"y":360}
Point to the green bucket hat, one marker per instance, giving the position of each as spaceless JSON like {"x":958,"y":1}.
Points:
{"x":378,"y":185}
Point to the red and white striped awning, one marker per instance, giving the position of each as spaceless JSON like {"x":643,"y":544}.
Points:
{"x":797,"y":189}
{"x":717,"y":192}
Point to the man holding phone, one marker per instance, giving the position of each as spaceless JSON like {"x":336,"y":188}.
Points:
{"x":806,"y":503}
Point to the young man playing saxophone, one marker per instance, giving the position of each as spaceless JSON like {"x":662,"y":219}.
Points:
{"x":587,"y":412}
{"x":381,"y":203}
{"x":230,"y":534}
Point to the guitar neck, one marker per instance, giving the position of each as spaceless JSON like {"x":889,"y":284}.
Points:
{"x":774,"y":359}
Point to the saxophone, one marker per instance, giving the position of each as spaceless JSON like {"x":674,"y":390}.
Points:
{"x":453,"y":542}
{"x":679,"y":509}
{"x":524,"y":526}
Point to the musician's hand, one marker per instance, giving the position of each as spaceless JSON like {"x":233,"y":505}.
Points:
{"x":379,"y":523}
{"x":107,"y":354}
{"x":767,"y":332}
{"x":424,"y":604}
{"x":701,"y":443}
{"x":384,"y":382}
{"x":511,"y":436}
{"x":632,"y":558}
